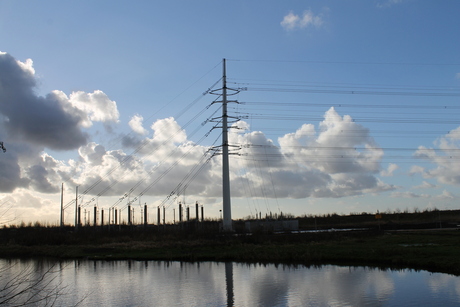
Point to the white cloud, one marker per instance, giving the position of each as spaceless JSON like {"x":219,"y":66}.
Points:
{"x":446,"y":195}
{"x":136,"y":125}
{"x":308,"y":163}
{"x":168,"y":129}
{"x":293,"y":21}
{"x":96,"y":105}
{"x":390,"y":170}
{"x":29,"y":124}
{"x":388,"y":3}
{"x":332,"y":153}
{"x":408,"y":195}
{"x":416,"y":169}
{"x":458,"y":75}
{"x":425,"y":185}
{"x":168,"y":155}
{"x":290,"y":21}
{"x":53,"y":121}
{"x":27,"y":66}
{"x":27,"y":206}
{"x":314,"y":162}
{"x":445,"y":157}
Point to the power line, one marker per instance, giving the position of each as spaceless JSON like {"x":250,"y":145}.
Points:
{"x":353,"y":92}
{"x":439,"y":121}
{"x":346,"y":62}
{"x":284,"y":104}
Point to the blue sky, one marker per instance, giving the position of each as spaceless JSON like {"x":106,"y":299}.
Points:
{"x":348,"y":106}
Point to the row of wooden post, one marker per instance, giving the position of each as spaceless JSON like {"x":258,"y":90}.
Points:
{"x":116,"y":215}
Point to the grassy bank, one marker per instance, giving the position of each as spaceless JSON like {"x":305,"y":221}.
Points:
{"x":432,"y":250}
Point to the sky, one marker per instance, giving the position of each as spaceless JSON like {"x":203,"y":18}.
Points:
{"x":337,"y":107}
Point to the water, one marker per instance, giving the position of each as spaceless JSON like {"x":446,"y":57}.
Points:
{"x":160,"y":283}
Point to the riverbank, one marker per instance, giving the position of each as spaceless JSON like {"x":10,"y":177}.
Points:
{"x":431,"y":250}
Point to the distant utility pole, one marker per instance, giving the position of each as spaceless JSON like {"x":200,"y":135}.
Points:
{"x":62,"y":205}
{"x":76,"y":208}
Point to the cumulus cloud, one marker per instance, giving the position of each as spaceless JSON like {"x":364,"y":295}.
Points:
{"x":445,"y":156}
{"x":446,"y":195}
{"x":97,"y":107}
{"x":408,"y":195}
{"x":390,"y":170}
{"x":306,"y":163}
{"x":40,"y":120}
{"x":425,"y":185}
{"x":313,"y":161}
{"x":167,"y":155}
{"x":23,"y":205}
{"x":136,"y":124}
{"x":293,"y":21}
{"x":330,"y":151}
{"x":168,"y":129}
{"x":310,"y":163}
{"x":38,"y":176}
{"x":10,"y":176}
{"x":53,"y":121}
{"x":29,"y":124}
{"x":113,"y":171}
{"x":416,"y":169}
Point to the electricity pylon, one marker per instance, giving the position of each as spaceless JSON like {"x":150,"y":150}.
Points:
{"x":224,"y":92}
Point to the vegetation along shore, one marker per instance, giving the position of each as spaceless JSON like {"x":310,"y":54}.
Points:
{"x":419,"y":243}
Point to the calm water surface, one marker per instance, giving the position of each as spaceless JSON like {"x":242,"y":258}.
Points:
{"x":159,"y":283}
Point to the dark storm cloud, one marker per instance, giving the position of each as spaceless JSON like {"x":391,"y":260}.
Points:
{"x":130,"y":141}
{"x":10,"y":175}
{"x":30,"y":124}
{"x":39,"y":120}
{"x":39,"y":181}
